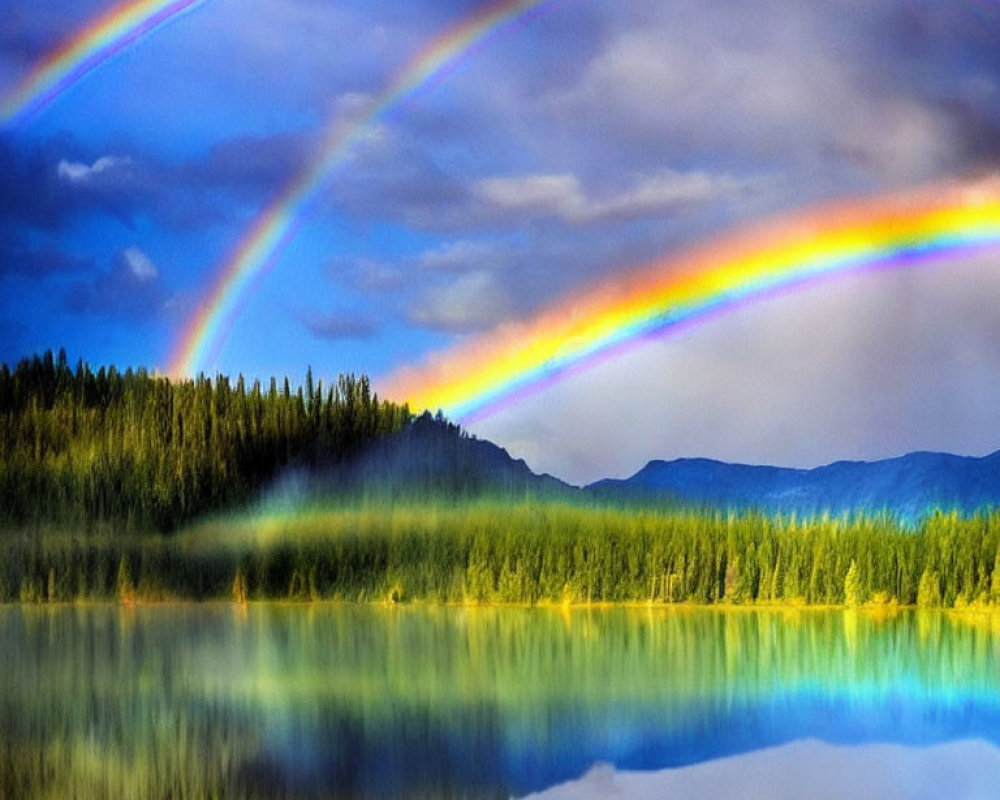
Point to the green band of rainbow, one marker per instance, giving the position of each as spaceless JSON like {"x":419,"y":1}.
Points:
{"x":90,"y":47}
{"x":477,"y":378}
{"x":275,"y":226}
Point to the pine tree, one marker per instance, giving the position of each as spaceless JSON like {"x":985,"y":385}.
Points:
{"x":995,"y":580}
{"x":929,"y":590}
{"x":852,"y":587}
{"x":124,"y":589}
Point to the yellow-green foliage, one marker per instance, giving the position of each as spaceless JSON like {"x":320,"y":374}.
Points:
{"x":852,"y":587}
{"x":553,"y":552}
{"x":929,"y":590}
{"x":529,"y":552}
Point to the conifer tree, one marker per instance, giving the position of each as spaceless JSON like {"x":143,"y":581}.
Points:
{"x":852,"y":587}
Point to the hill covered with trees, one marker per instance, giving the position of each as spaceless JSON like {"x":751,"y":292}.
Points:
{"x":140,"y":450}
{"x":429,"y":459}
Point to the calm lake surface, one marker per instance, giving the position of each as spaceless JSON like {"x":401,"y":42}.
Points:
{"x":370,"y":702}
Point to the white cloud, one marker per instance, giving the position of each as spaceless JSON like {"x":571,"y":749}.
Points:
{"x":471,"y":302}
{"x":366,"y":274}
{"x":558,"y":194}
{"x":726,"y":89}
{"x":563,"y":195}
{"x":462,"y":255}
{"x":783,"y":88}
{"x":378,"y":276}
{"x":139,"y":264}
{"x":667,"y":189}
{"x":79,"y":173}
{"x":350,"y":106}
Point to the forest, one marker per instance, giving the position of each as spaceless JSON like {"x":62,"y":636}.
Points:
{"x":133,"y":487}
{"x":499,"y":551}
{"x":142,"y":452}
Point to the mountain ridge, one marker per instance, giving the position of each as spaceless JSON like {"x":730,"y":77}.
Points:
{"x":909,"y":485}
{"x":433,"y":457}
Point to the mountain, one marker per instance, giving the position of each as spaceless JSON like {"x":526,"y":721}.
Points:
{"x":434,"y":455}
{"x":431,"y":457}
{"x":908,"y":486}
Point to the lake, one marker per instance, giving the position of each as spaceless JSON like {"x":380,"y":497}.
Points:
{"x":320,"y":700}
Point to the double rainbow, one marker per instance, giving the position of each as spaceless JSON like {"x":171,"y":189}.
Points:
{"x":260,"y":247}
{"x":479,"y":377}
{"x":90,"y":47}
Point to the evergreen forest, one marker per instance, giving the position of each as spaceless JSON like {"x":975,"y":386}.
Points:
{"x":131,"y":486}
{"x":141,"y":452}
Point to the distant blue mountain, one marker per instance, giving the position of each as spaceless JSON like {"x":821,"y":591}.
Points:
{"x":909,"y":486}
{"x":430,"y":458}
{"x":433,"y":457}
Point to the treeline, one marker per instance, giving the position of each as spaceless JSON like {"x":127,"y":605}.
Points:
{"x":145,"y":452}
{"x":525,"y":553}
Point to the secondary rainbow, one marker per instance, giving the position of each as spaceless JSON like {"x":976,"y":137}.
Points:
{"x":257,"y":252}
{"x":477,"y":378}
{"x":101,"y":39}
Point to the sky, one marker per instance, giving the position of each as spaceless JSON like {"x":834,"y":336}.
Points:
{"x":567,"y":145}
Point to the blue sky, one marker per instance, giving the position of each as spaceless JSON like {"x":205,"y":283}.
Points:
{"x":588,"y":139}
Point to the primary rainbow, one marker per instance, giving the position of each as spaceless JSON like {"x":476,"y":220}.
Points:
{"x":481,"y":376}
{"x":276,"y":225}
{"x":101,"y":39}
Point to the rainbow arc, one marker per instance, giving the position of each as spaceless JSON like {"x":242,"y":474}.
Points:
{"x":477,"y":378}
{"x":89,"y":48}
{"x":261,"y":245}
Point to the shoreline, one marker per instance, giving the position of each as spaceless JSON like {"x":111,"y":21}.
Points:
{"x":871,"y":609}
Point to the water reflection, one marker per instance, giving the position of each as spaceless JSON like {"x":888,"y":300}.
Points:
{"x":312,"y":700}
{"x":806,"y":769}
